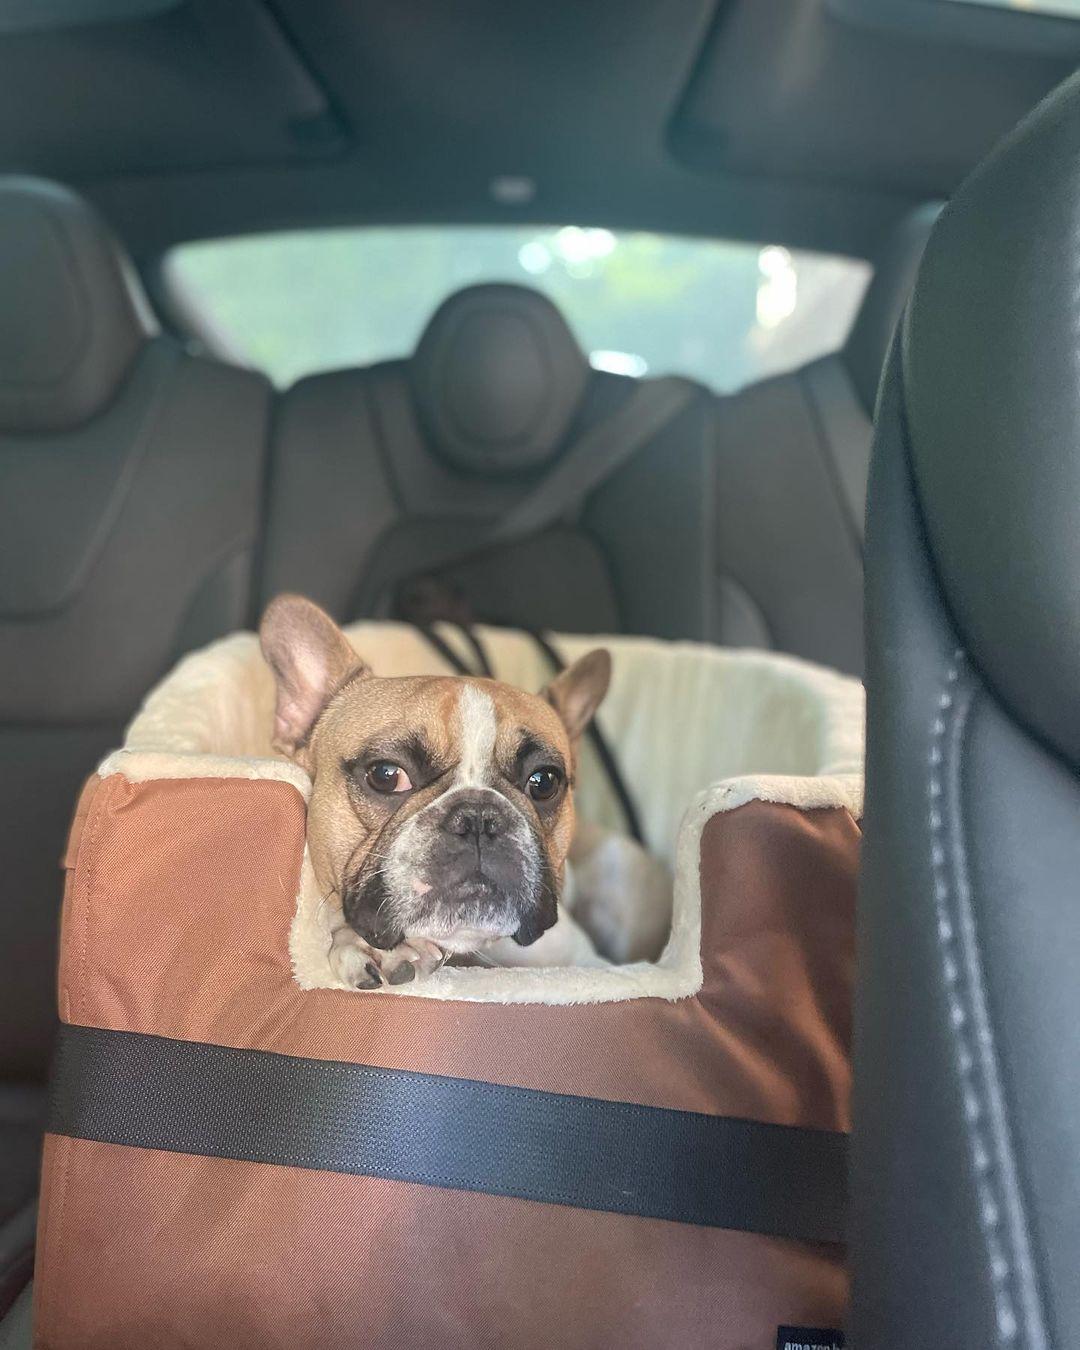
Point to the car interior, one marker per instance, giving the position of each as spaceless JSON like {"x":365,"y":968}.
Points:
{"x":160,"y":482}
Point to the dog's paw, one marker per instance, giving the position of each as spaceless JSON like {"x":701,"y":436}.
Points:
{"x":358,"y":964}
{"x":409,"y":959}
{"x":353,"y":961}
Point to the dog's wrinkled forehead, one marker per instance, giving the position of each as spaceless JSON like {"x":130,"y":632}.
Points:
{"x":473,"y":727}
{"x":323,"y":687}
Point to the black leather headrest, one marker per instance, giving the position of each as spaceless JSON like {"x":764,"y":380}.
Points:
{"x":498,"y":378}
{"x":991,"y":375}
{"x":72,"y":317}
{"x":895,"y":267}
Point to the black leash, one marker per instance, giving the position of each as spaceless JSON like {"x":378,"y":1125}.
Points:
{"x":450,"y":656}
{"x":483,"y":667}
{"x":600,"y":745}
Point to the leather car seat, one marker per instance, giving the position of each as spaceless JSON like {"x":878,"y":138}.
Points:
{"x":427,"y":453}
{"x":966,"y":1183}
{"x":130,"y":477}
{"x":738,"y":522}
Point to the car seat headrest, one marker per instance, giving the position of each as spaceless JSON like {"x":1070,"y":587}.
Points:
{"x":72,"y":317}
{"x":894,"y":275}
{"x":497,"y":377}
{"x":991,"y":386}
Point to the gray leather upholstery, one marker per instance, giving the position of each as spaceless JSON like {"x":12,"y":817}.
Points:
{"x":395,"y":451}
{"x":790,"y":481}
{"x":130,"y":478}
{"x":18,"y":1230}
{"x":71,"y":322}
{"x":498,"y":378}
{"x":788,"y":545}
{"x":21,"y":1121}
{"x":17,"y":1328}
{"x":995,"y":325}
{"x":740,"y":523}
{"x":895,"y":266}
{"x":966,"y":1228}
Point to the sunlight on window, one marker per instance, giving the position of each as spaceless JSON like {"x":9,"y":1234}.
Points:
{"x":778,"y":289}
{"x":577,"y":245}
{"x":619,"y":363}
{"x":534,"y":257}
{"x":1069,"y":9}
{"x":721,"y":312}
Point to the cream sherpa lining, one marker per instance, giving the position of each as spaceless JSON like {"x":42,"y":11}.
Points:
{"x":690,"y":723}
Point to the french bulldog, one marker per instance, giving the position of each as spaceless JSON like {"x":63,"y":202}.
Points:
{"x":442,"y":810}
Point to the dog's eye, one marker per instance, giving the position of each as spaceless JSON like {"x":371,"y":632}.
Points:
{"x":543,"y":784}
{"x":385,"y":776}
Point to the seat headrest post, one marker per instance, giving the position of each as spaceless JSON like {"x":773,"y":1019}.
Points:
{"x":498,"y":378}
{"x":74,"y":316}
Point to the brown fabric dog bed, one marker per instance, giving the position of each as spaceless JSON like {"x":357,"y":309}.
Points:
{"x":242,"y":1154}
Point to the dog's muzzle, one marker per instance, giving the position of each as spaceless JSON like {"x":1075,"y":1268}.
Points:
{"x":477,"y":850}
{"x":468,"y":869}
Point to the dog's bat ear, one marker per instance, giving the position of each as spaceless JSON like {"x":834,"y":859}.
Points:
{"x":311,"y":659}
{"x":579,"y":690}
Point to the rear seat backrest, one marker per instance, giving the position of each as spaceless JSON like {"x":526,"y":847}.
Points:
{"x":430,"y":451}
{"x":739,"y":523}
{"x":793,"y":455}
{"x":130,"y":478}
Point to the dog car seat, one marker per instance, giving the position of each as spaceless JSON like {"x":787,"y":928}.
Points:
{"x":241,"y":1153}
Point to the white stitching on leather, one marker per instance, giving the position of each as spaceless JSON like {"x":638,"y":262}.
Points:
{"x":961,"y":1024}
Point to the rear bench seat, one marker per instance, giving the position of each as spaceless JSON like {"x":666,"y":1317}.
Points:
{"x":739,"y":522}
{"x":432,"y":449}
{"x":130,"y":476}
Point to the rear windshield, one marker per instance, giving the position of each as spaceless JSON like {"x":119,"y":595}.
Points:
{"x":1070,"y":9}
{"x":641,"y":304}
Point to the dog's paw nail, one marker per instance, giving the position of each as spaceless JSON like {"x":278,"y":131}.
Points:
{"x":370,"y":979}
{"x":403,"y":974}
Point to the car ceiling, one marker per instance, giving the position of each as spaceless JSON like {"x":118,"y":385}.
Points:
{"x":763,"y":119}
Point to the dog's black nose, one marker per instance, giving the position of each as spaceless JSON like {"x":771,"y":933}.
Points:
{"x":474,"y":819}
